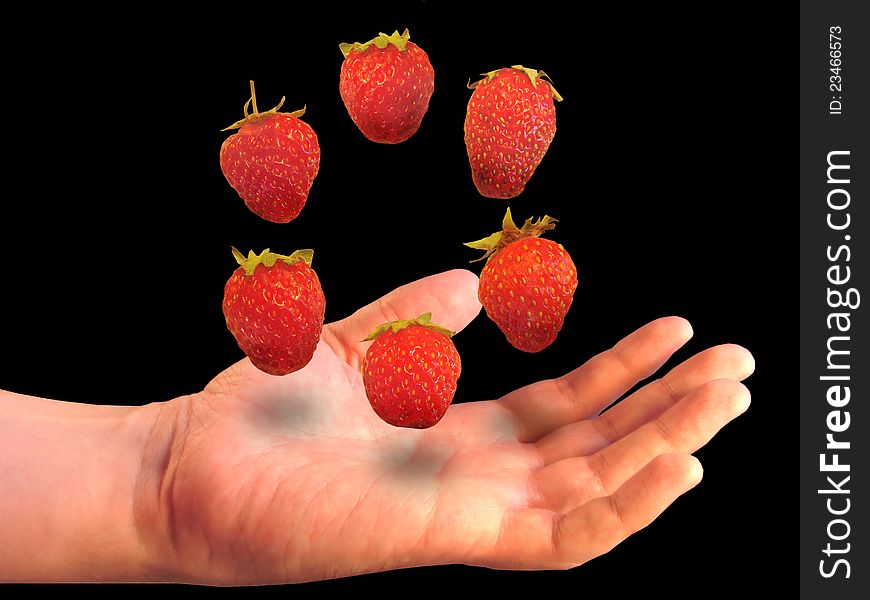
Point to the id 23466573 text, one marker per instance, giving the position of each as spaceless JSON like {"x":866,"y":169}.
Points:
{"x":835,"y":47}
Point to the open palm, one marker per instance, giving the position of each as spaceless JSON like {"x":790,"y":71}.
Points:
{"x":295,"y":478}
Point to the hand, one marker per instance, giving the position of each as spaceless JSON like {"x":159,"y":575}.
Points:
{"x":294,"y":478}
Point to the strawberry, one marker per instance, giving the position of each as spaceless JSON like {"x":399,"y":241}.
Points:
{"x":274,"y":306}
{"x":510,"y":123}
{"x":386,"y":84}
{"x":527,"y":284}
{"x":410,"y":372}
{"x":272,"y":161}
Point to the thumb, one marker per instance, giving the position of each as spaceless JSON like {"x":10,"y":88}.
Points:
{"x":451,"y":297}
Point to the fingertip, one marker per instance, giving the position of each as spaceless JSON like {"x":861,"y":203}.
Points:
{"x":747,"y":360}
{"x":726,"y":396}
{"x":678,"y":327}
{"x":685,"y":470}
{"x":470,"y":277}
{"x":466,"y":285}
{"x":457,"y":293}
{"x":682,"y":325}
{"x":742,"y":399}
{"x":742,"y":359}
{"x":694,"y":471}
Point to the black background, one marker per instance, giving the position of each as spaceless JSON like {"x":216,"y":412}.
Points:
{"x":665,"y":173}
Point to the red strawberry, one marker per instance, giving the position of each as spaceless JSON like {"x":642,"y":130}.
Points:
{"x":272,"y":161}
{"x":274,"y":306}
{"x":386,"y":84}
{"x":510,"y":123}
{"x":410,"y":372}
{"x":527,"y":284}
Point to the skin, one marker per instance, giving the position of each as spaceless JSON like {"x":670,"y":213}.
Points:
{"x":262,"y":479}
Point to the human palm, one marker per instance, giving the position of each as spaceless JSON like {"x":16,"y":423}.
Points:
{"x":295,"y":478}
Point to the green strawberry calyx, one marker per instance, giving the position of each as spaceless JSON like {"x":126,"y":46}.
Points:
{"x":424,"y":320}
{"x":511,"y":233}
{"x":533,"y":75}
{"x":399,"y":40}
{"x":268,"y":259}
{"x":259,"y":116}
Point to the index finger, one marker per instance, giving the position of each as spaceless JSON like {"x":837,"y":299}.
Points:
{"x":584,"y":392}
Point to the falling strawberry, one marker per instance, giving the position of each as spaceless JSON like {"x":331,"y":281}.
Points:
{"x":410,"y":372}
{"x":272,"y":161}
{"x":274,"y":307}
{"x":510,"y":123}
{"x":527,"y":284}
{"x":386,"y":84}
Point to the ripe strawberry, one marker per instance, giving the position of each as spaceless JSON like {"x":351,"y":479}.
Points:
{"x":272,"y":161}
{"x":274,"y":306}
{"x":527,"y":284}
{"x":410,"y":372}
{"x":509,"y":125}
{"x":386,"y":84}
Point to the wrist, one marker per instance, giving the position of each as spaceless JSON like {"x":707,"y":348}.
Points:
{"x":81,"y":488}
{"x":163,"y":427}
